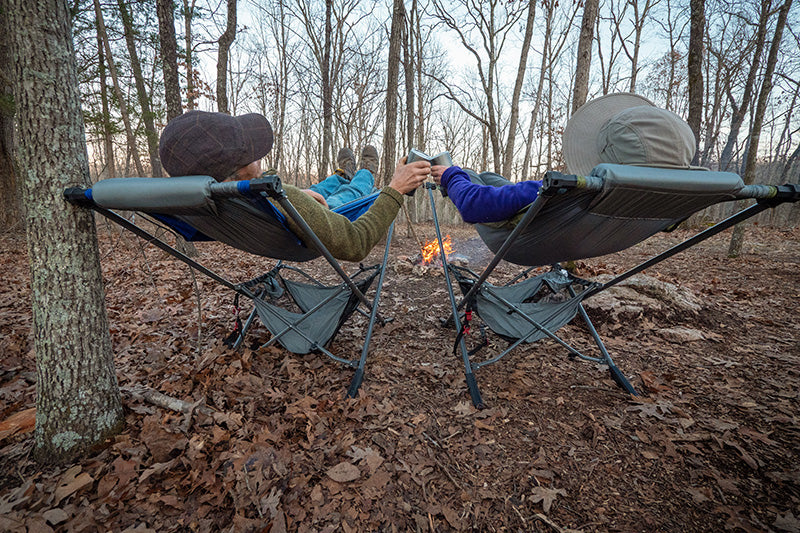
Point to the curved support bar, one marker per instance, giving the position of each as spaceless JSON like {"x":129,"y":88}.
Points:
{"x":474,"y":393}
{"x":621,"y":380}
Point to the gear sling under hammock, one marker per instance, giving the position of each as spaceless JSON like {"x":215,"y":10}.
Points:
{"x":241,"y":215}
{"x":577,"y":217}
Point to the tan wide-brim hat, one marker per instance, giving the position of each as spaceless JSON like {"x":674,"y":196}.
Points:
{"x":580,"y":139}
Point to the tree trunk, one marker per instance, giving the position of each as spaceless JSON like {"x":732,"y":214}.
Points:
{"x":737,"y":239}
{"x":695,"y":71}
{"x":141,"y":92}
{"x":327,"y":93}
{"x":110,"y":170}
{"x":101,"y":30}
{"x":523,"y":65}
{"x":188,"y":13}
{"x":392,"y":77}
{"x":584,"y":61}
{"x":737,"y":117}
{"x":165,"y":10}
{"x":225,"y":42}
{"x":78,"y":403}
{"x":10,"y":214}
{"x":408,"y":75}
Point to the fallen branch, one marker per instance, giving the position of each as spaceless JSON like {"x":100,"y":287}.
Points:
{"x":158,"y":399}
{"x":559,"y":529}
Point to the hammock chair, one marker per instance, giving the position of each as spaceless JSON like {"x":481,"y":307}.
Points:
{"x":578,"y":217}
{"x":241,"y":214}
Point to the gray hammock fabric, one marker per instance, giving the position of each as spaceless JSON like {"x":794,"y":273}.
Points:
{"x":635,"y":203}
{"x":318,"y":329}
{"x":544,"y":299}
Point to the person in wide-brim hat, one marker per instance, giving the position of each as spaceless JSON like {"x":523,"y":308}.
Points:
{"x":619,"y":128}
{"x":627,"y":129}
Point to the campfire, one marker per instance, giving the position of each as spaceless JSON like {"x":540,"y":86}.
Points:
{"x":427,"y":263}
{"x":429,"y":254}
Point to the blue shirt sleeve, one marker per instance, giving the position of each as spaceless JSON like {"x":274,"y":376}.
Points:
{"x":484,"y":203}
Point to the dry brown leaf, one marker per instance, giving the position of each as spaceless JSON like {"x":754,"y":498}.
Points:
{"x":72,"y":481}
{"x":21,"y":422}
{"x":344,"y":472}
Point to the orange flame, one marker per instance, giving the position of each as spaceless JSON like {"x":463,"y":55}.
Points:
{"x":430,"y":251}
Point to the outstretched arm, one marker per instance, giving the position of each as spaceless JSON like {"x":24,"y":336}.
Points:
{"x":483,"y":203}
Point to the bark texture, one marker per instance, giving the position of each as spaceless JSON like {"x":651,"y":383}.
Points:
{"x":695,"y":71}
{"x":225,"y":42}
{"x":581,"y":89}
{"x":78,"y":401}
{"x":392,"y":81}
{"x":9,"y":190}
{"x":169,"y":56}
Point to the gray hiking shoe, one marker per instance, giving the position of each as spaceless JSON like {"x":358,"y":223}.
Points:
{"x":369,"y":159}
{"x":346,"y":163}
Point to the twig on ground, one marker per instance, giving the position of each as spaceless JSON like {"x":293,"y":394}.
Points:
{"x":140,"y":392}
{"x":559,"y":529}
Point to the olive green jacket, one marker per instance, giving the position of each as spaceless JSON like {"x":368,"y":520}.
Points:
{"x":346,"y":240}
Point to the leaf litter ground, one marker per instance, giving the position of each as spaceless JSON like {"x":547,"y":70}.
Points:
{"x":272,"y":444}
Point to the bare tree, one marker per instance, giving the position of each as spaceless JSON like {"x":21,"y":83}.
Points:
{"x":491,"y":25}
{"x":737,"y":238}
{"x":740,"y":112}
{"x":141,"y":91}
{"x":225,"y":42}
{"x":101,"y":30}
{"x":165,"y":10}
{"x":9,"y":189}
{"x":390,"y":132}
{"x":521,"y":68}
{"x":191,"y":90}
{"x":108,"y":140}
{"x":78,"y":403}
{"x":695,"y":71}
{"x":584,"y":61}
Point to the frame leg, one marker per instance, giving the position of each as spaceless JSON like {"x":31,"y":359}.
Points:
{"x":358,"y":377}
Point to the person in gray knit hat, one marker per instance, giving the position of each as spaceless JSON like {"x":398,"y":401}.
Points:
{"x":620,"y":128}
{"x":226,"y":147}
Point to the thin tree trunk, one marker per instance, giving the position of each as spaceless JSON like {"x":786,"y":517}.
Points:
{"x":141,"y":91}
{"x":10,"y":212}
{"x":101,"y":30}
{"x":225,"y":42}
{"x":523,"y":64}
{"x":537,"y":102}
{"x":108,"y":141}
{"x":393,"y":74}
{"x":327,"y":93}
{"x":169,"y":57}
{"x":78,"y":402}
{"x":408,"y":75}
{"x":740,"y":112}
{"x":695,"y":71}
{"x":737,"y":238}
{"x":188,"y":13}
{"x":584,"y":61}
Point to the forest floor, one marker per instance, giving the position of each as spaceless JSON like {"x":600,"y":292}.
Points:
{"x":273,"y":444}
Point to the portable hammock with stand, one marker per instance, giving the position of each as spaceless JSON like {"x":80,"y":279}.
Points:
{"x":241,"y":215}
{"x":577,"y":217}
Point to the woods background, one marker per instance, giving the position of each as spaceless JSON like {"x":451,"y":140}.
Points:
{"x":493,"y":82}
